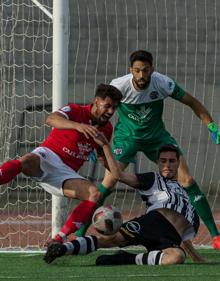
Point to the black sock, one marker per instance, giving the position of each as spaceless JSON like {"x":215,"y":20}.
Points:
{"x":152,"y":258}
{"x":116,"y":259}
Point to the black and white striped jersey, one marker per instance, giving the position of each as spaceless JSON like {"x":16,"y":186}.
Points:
{"x":159,"y":192}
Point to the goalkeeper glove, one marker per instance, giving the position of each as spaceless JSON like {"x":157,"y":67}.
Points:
{"x":215,"y":132}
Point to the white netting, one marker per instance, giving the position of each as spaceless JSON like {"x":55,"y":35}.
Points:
{"x":183,"y":37}
{"x":26,"y":83}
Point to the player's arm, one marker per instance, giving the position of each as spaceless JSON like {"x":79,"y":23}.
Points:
{"x":192,"y":252}
{"x":203,"y":114}
{"x":119,"y":175}
{"x":198,"y":108}
{"x":112,"y":164}
{"x":59,"y":121}
{"x":100,"y":157}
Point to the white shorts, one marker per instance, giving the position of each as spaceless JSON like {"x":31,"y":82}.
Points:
{"x":54,"y":171}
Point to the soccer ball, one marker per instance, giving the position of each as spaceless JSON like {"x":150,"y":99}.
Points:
{"x":107,"y":220}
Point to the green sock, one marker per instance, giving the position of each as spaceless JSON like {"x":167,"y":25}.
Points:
{"x":105,"y":193}
{"x":202,"y":207}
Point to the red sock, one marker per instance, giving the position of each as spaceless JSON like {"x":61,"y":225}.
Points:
{"x":80,"y":215}
{"x":9,"y":170}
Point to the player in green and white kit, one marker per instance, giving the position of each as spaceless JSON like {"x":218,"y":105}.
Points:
{"x":140,"y":126}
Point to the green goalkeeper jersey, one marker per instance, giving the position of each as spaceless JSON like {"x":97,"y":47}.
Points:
{"x":140,"y":112}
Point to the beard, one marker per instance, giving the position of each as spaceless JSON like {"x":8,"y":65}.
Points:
{"x":141,"y":84}
{"x":100,"y":121}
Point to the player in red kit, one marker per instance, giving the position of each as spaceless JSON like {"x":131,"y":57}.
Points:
{"x":54,"y":164}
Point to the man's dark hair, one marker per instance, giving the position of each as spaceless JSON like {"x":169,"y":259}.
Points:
{"x":141,"y":55}
{"x":105,"y":90}
{"x":168,"y":147}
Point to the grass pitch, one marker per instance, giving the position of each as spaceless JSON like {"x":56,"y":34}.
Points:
{"x":27,"y":266}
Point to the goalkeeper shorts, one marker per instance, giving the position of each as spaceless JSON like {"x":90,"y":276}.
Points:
{"x":125,"y":149}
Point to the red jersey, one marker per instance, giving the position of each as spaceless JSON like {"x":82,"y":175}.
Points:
{"x":72,"y":146}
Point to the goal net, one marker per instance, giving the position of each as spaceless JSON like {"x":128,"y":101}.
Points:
{"x":183,"y":37}
{"x":25,"y":101}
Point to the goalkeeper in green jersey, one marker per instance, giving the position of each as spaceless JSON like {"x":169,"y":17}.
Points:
{"x":140,"y":128}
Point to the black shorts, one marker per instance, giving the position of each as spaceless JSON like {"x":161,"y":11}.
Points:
{"x":152,"y":231}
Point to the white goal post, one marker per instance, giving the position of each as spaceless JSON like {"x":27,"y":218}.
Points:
{"x":65,"y":49}
{"x":60,"y":88}
{"x":23,"y":21}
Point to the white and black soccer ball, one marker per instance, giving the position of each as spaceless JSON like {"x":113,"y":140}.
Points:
{"x":107,"y":220}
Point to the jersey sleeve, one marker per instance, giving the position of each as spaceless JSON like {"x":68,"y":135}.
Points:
{"x":168,"y":87}
{"x":145,"y":181}
{"x":178,"y":92}
{"x":122,"y":83}
{"x":69,"y":111}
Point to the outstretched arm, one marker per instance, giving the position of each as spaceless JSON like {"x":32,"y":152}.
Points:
{"x":192,"y":252}
{"x":198,"y":108}
{"x":113,"y":167}
{"x":203,"y":114}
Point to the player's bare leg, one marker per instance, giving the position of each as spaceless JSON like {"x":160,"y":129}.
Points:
{"x":89,"y":195}
{"x":29,"y":164}
{"x":105,"y":188}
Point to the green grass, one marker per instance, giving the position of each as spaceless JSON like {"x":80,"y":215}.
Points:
{"x":24,"y":266}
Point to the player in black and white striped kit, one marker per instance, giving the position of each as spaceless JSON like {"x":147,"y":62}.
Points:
{"x":162,"y":192}
{"x":170,"y":218}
